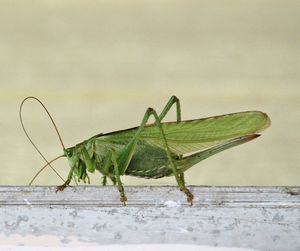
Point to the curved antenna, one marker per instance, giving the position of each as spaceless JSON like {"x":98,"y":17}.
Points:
{"x":48,"y":164}
{"x":31,"y":141}
{"x":21,"y":119}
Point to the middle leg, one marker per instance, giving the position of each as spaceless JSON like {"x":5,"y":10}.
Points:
{"x":123,"y":198}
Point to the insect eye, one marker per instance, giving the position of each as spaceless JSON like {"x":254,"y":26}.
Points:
{"x":69,"y":154}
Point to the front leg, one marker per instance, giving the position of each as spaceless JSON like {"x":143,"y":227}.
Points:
{"x":67,"y":182}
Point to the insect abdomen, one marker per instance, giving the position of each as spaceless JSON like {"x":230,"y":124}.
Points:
{"x":149,"y":162}
{"x":154,"y":172}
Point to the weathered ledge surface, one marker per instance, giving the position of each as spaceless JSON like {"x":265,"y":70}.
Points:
{"x":263,"y":218}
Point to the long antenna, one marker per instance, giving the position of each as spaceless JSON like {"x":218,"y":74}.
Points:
{"x":37,"y":174}
{"x":31,"y":141}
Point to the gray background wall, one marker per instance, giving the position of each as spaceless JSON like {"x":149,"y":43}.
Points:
{"x":98,"y":65}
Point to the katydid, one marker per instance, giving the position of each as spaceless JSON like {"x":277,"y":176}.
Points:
{"x":159,"y":149}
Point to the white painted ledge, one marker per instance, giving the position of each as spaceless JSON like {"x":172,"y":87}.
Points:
{"x":124,"y":247}
{"x":261,"y":218}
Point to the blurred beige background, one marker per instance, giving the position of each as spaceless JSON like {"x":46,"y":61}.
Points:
{"x":98,"y":65}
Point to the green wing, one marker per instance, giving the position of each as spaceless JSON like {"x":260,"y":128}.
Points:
{"x":193,"y":135}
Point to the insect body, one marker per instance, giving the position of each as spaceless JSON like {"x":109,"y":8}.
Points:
{"x":161,"y":149}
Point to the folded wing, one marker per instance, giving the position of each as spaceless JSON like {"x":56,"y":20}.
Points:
{"x":194,"y":135}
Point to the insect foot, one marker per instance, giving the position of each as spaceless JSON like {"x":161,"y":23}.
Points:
{"x":189,"y":195}
{"x":190,"y":199}
{"x":123,"y":199}
{"x":60,"y":188}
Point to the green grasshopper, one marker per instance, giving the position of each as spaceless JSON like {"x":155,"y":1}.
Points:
{"x":160,"y":149}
